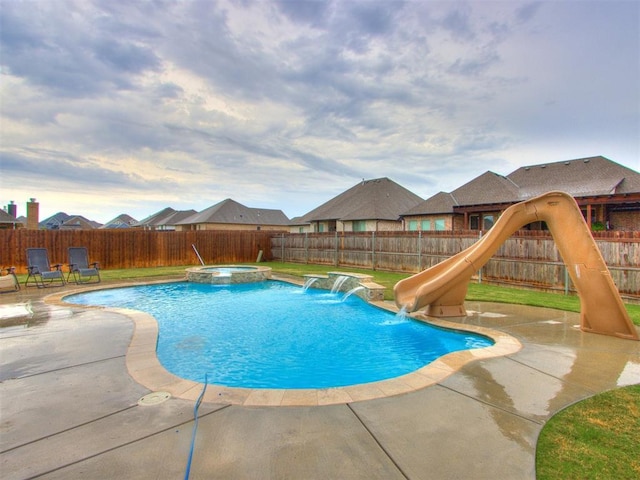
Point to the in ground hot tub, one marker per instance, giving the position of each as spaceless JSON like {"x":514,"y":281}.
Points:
{"x":227,"y":274}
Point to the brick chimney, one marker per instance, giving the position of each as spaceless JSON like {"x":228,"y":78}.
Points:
{"x":33,"y":214}
{"x":12,"y":209}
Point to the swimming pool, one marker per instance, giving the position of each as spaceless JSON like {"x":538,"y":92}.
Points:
{"x":277,"y":335}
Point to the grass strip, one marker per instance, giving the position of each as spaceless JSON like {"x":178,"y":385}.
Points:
{"x":596,"y":438}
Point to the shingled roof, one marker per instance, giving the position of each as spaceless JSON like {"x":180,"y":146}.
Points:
{"x":583,"y":177}
{"x":230,"y":211}
{"x":165,"y":217}
{"x":7,"y":219}
{"x":377,"y":199}
{"x":121,"y":221}
{"x":487,"y":188}
{"x":441,"y":202}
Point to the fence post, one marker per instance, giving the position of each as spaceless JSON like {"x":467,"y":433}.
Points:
{"x":373,"y":250}
{"x":419,"y":250}
{"x":566,"y":280}
{"x":480,"y":271}
{"x":306,"y":247}
{"x":282,"y":249}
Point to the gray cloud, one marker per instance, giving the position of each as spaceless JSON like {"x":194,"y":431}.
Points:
{"x":282,"y":103}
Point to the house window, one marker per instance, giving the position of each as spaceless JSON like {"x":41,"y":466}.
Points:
{"x":320,"y":227}
{"x":487,"y":222}
{"x":413,"y":225}
{"x":474,"y":222}
{"x":439,"y":224}
{"x":359,"y":225}
{"x":425,"y":225}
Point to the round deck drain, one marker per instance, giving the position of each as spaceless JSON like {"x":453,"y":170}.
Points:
{"x":154,"y":398}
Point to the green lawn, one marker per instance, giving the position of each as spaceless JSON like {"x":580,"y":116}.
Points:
{"x":598,"y":438}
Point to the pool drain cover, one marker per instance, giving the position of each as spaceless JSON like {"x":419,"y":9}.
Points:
{"x":154,"y":398}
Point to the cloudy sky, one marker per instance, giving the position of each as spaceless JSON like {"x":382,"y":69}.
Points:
{"x":126,"y":106}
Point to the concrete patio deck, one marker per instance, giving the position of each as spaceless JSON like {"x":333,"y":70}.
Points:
{"x":69,"y":408}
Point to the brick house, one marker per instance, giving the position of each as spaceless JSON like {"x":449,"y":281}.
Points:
{"x":608,"y":195}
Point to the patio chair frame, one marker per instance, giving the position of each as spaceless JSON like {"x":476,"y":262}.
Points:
{"x":40,"y":271}
{"x":80,"y":268}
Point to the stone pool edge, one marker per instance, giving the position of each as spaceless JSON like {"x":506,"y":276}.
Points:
{"x":145,"y":368}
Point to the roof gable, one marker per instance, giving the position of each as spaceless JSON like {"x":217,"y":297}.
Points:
{"x":54,"y":221}
{"x":79,"y":222}
{"x":377,"y":199}
{"x":121,"y":221}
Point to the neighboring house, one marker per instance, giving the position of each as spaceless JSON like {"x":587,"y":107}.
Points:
{"x":298,"y":225}
{"x":370,"y":206}
{"x":78,"y":222}
{"x":54,"y":221}
{"x":9,"y":222}
{"x":62,"y":221}
{"x":121,"y":221}
{"x":165,"y":219}
{"x":231,"y":215}
{"x":608,"y":195}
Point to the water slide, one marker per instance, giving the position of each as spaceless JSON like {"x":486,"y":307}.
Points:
{"x":441,"y":289}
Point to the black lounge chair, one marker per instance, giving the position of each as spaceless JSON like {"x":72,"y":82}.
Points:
{"x":9,"y":282}
{"x":40,"y":271}
{"x":80,"y":268}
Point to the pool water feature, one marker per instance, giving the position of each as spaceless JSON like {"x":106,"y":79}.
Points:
{"x":276,"y":335}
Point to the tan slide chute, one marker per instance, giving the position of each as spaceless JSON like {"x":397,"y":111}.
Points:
{"x":443,"y":287}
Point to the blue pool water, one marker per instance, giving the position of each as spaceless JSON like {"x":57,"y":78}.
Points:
{"x":276,"y":335}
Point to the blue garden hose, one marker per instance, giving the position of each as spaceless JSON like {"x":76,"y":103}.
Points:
{"x":195,"y":428}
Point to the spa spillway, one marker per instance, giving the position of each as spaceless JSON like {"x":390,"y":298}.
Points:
{"x":228,"y":274}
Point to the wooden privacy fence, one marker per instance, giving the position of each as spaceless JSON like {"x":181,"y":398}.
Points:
{"x":526,"y":259}
{"x":135,"y":248}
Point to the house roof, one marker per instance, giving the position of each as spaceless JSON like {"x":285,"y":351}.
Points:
{"x":62,"y":220}
{"x":166,"y":216}
{"x":121,"y":221}
{"x":583,"y":177}
{"x":441,"y":202}
{"x":297,"y":221}
{"x":230,"y":211}
{"x":377,"y":199}
{"x":79,"y":222}
{"x":487,"y":188}
{"x":6,"y":218}
{"x":54,"y":221}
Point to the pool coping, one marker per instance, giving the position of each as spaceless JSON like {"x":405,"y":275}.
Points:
{"x":145,"y":368}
